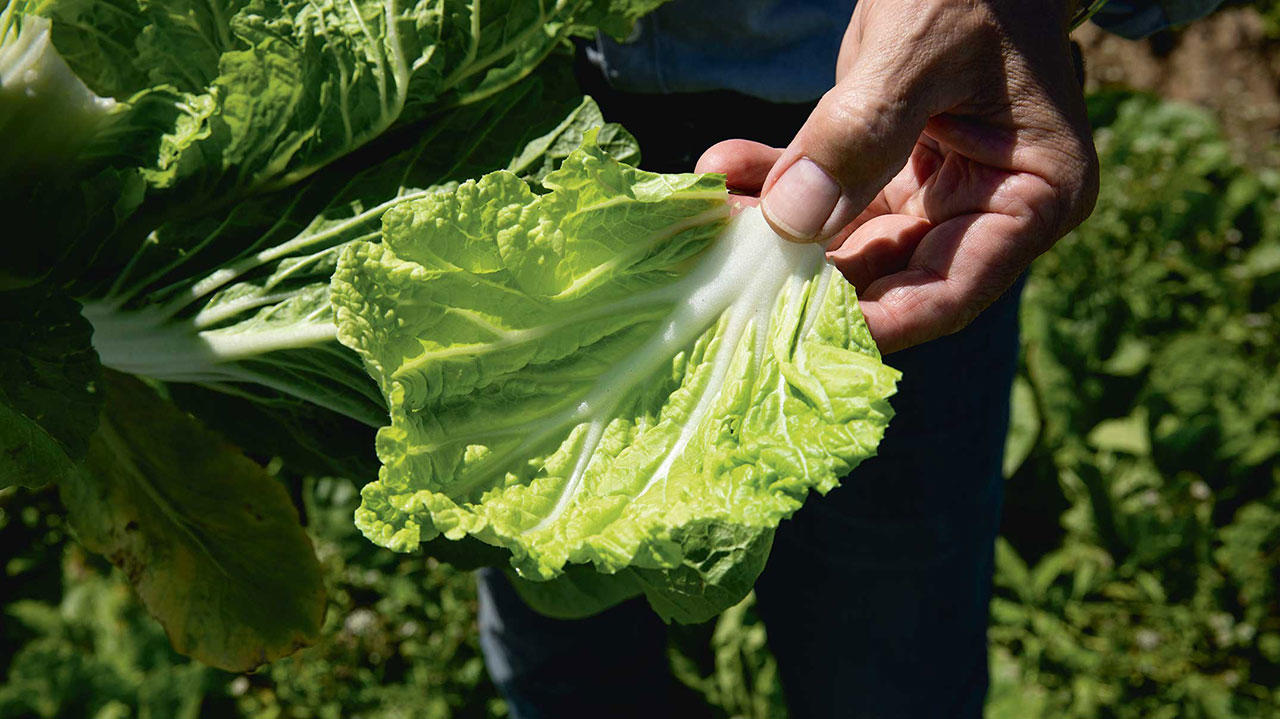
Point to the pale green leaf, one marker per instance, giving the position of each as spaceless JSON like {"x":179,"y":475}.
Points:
{"x":606,"y":373}
{"x":1024,"y":425}
{"x":1126,"y":434}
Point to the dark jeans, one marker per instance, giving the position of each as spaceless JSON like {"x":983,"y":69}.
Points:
{"x":875,"y":596}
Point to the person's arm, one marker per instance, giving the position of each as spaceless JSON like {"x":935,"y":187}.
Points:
{"x":952,"y":151}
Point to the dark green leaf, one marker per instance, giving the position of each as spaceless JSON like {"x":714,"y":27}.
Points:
{"x":209,"y":540}
{"x":48,"y":395}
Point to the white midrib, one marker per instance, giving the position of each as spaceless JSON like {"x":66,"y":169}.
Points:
{"x":143,"y":343}
{"x":729,"y":341}
{"x":737,"y":282}
{"x":303,"y":240}
{"x":751,"y":309}
{"x":508,"y":338}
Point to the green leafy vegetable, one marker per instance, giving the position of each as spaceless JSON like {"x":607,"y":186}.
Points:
{"x":48,"y":396}
{"x":240,"y":302}
{"x":237,"y":303}
{"x":272,"y":90}
{"x":46,"y":111}
{"x":210,"y":541}
{"x":583,"y":363}
{"x":1150,"y":369}
{"x":606,"y":373}
{"x":184,"y":108}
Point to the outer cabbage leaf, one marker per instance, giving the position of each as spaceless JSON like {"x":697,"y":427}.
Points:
{"x":239,"y":301}
{"x":70,"y":157}
{"x":181,"y":109}
{"x":66,"y":111}
{"x":45,"y":110}
{"x":272,"y":90}
{"x":48,"y":395}
{"x":210,"y":541}
{"x":605,"y":373}
{"x":122,"y":47}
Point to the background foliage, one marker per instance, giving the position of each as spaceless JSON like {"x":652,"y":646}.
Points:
{"x":399,"y":639}
{"x":1147,"y":421}
{"x":1147,"y":417}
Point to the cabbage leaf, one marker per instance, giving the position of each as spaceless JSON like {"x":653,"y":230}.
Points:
{"x":178,"y":109}
{"x":48,"y":387}
{"x":268,"y":91}
{"x":612,"y":373}
{"x":239,"y":301}
{"x":209,"y":539}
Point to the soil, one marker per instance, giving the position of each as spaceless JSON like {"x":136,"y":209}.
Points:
{"x":1226,"y":63}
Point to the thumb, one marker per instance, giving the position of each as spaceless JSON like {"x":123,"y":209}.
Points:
{"x":857,"y":138}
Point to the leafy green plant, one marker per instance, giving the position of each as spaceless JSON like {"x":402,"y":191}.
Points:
{"x":582,"y":364}
{"x":604,"y":373}
{"x":168,"y":251}
{"x":729,"y":663}
{"x":398,"y":640}
{"x":1150,"y":391}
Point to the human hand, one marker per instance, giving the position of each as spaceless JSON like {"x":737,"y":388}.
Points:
{"x":952,"y":151}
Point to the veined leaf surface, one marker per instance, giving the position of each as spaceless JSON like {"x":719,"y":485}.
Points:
{"x":604,"y":373}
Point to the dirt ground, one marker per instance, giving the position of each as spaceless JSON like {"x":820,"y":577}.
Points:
{"x":1225,"y":63}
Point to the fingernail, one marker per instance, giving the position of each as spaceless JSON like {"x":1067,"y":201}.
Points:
{"x":801,"y":201}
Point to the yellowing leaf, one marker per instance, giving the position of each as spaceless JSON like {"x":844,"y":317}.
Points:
{"x":209,"y":540}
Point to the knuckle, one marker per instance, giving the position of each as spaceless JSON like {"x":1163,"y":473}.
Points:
{"x":1046,"y":204}
{"x":866,"y":116}
{"x":1066,"y":193}
{"x":974,"y":20}
{"x":1092,"y":183}
{"x":1077,"y":189}
{"x":853,"y":110}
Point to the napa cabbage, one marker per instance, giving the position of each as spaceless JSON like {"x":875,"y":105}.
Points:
{"x":305,"y":223}
{"x":613,"y":372}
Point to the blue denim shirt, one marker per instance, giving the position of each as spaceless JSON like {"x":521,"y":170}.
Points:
{"x":1139,"y":18}
{"x":785,"y":50}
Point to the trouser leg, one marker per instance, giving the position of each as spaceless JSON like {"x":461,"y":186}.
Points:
{"x":611,"y":665}
{"x":875,"y":597}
